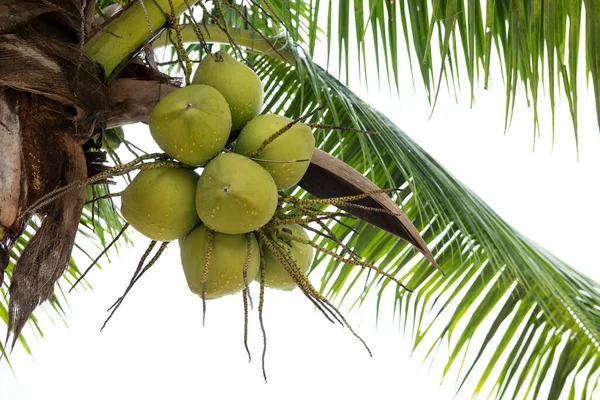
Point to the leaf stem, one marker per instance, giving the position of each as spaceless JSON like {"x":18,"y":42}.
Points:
{"x":245,"y":38}
{"x":124,"y":36}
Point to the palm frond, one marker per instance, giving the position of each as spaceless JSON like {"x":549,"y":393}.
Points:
{"x":538,"y":319}
{"x":497,"y":281}
{"x":536,"y":43}
{"x":534,"y":320}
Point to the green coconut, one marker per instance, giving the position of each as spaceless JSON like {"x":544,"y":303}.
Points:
{"x":191,"y":124}
{"x":227,"y":259}
{"x":297,"y":143}
{"x":235,"y":195}
{"x":160,"y":203}
{"x":240,"y":86}
{"x":276,"y":276}
{"x":111,"y":139}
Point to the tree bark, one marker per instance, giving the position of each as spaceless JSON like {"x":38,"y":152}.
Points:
{"x":52,"y":100}
{"x":11,"y":169}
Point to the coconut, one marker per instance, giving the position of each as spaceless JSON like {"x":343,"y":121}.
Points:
{"x":159,"y":203}
{"x":191,"y":124}
{"x":240,"y":86}
{"x":295,"y":144}
{"x":275,"y":274}
{"x":112,"y":138}
{"x":235,"y":195}
{"x":227,"y":259}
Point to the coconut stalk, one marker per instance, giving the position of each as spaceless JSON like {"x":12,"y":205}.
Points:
{"x":123,"y":37}
{"x":273,"y":46}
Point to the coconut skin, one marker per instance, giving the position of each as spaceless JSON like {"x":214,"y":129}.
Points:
{"x":298,"y":143}
{"x":240,"y":86}
{"x":228,"y":255}
{"x":160,"y":203}
{"x":112,"y":140}
{"x":276,"y":276}
{"x":235,"y":195}
{"x":191,"y":124}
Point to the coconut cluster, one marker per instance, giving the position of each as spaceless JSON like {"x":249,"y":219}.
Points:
{"x":215,"y":214}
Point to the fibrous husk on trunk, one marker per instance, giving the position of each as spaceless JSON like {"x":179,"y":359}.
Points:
{"x":51,"y":101}
{"x":51,"y":160}
{"x":16,"y":12}
{"x":62,"y":16}
{"x":11,"y":172}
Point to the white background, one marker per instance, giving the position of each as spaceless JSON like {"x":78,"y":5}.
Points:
{"x":156,"y":347}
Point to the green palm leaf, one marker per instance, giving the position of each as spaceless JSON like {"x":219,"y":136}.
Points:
{"x":496,"y":279}
{"x":537,"y":43}
{"x":538,"y":318}
{"x":533,"y":309}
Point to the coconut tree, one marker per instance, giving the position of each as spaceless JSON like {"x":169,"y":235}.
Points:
{"x":71,"y":70}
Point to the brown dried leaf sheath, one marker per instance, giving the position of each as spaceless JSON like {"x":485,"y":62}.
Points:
{"x":329,"y":177}
{"x":51,"y":102}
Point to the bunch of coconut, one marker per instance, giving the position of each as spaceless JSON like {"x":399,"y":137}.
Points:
{"x":216,"y":213}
